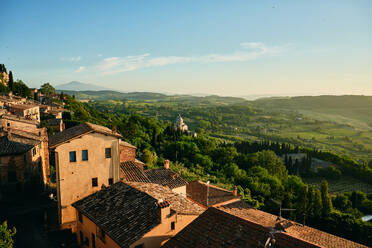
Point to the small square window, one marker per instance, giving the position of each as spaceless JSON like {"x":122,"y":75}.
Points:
{"x":111,"y":181}
{"x":94,"y":182}
{"x":34,"y":151}
{"x":8,"y":124}
{"x":140,"y":246}
{"x":84,"y":155}
{"x":73,"y":156}
{"x":107,"y":152}
{"x":173,"y":225}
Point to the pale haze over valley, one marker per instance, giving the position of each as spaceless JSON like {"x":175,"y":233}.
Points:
{"x":242,"y":48}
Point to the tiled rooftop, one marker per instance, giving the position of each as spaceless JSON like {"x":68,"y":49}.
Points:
{"x":132,"y":173}
{"x":165,"y":177}
{"x":123,"y":212}
{"x":296,"y":231}
{"x":18,"y":118}
{"x":123,"y":143}
{"x":207,"y":194}
{"x":78,"y":130}
{"x":238,"y":225}
{"x":9,"y":147}
{"x":177,"y":202}
{"x":23,"y":106}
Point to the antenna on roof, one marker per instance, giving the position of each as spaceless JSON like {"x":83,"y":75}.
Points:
{"x":281,"y":209}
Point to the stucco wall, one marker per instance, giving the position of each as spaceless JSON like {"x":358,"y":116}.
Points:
{"x":162,"y":233}
{"x":74,"y":179}
{"x":88,"y":228}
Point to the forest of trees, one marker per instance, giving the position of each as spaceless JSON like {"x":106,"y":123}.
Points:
{"x":262,"y":170}
{"x":255,"y":167}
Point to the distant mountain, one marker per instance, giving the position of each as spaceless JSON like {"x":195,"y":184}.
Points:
{"x":99,"y":95}
{"x":78,"y":86}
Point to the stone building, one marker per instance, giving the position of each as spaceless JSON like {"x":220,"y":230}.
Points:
{"x":209,"y":195}
{"x":180,"y":124}
{"x":85,"y":157}
{"x":30,"y":112}
{"x":8,"y":121}
{"x":132,"y":215}
{"x":19,"y":162}
{"x":56,"y":125}
{"x":38,"y":139}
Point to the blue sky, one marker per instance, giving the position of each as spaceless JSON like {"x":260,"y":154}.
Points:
{"x":213,"y":47}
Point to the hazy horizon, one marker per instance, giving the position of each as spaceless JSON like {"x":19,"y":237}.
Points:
{"x":187,"y":47}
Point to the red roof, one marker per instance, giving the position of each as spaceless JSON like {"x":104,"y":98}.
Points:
{"x":238,"y":225}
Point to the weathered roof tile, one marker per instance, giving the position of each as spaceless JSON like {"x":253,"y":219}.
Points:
{"x":123,"y":212}
{"x":78,"y":130}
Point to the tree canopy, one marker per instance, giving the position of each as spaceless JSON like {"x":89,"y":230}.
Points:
{"x":6,"y":235}
{"x":47,"y":89}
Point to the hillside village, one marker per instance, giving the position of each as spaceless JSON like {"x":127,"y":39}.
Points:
{"x":106,"y":197}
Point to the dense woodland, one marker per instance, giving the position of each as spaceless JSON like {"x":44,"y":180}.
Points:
{"x":255,"y":167}
{"x":260,"y":168}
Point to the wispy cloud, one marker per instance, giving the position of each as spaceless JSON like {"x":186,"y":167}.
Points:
{"x":80,"y":69}
{"x":72,"y":59}
{"x":248,"y":51}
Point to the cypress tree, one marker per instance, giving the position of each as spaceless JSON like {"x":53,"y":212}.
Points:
{"x":318,"y":204}
{"x":326,"y":200}
{"x":311,"y":200}
{"x":10,"y":83}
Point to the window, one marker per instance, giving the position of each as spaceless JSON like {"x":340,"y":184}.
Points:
{"x":8,"y":124}
{"x":73,"y":156}
{"x":111,"y":181}
{"x":81,"y":238}
{"x":173,"y":225}
{"x":94,"y":182}
{"x":107,"y":152}
{"x":80,"y":217}
{"x":34,"y":151}
{"x":140,"y":246}
{"x":84,"y":155}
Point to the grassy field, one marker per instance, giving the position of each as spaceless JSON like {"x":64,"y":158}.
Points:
{"x":344,"y":184}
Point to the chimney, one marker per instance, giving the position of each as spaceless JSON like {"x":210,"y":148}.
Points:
{"x":164,"y":207}
{"x":114,"y":129}
{"x":166,"y":164}
{"x":235,"y":191}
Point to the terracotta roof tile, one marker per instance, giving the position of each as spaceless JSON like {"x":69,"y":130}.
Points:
{"x":123,"y":212}
{"x":178,"y":203}
{"x":132,"y":173}
{"x":78,"y":130}
{"x":165,"y":177}
{"x":9,"y":147}
{"x":237,"y":225}
{"x":123,"y":143}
